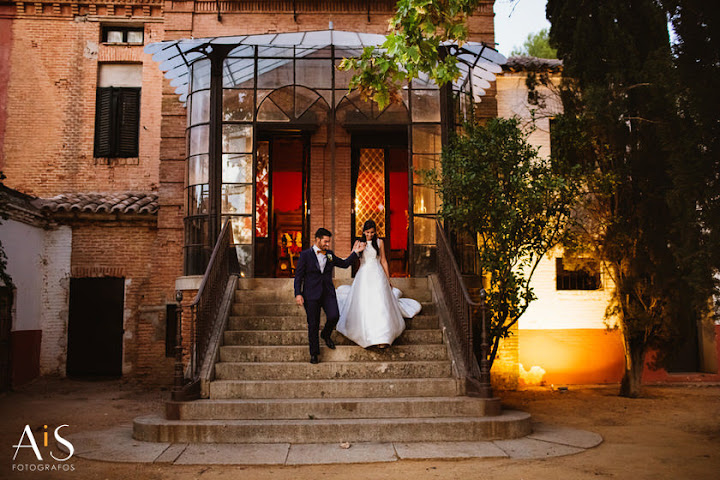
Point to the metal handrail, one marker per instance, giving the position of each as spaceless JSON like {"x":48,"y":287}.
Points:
{"x":203,"y":314}
{"x":463,"y":312}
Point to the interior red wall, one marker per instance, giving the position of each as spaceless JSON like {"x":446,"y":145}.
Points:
{"x":287,"y":191}
{"x":398,"y":210}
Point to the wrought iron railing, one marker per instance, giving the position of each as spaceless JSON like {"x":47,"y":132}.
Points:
{"x":204,"y":312}
{"x":467,"y":318}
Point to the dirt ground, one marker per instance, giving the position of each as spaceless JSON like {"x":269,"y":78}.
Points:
{"x":671,"y":433}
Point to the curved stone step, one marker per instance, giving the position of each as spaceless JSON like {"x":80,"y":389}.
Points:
{"x":509,"y":424}
{"x":300,"y":337}
{"x":343,"y":353}
{"x":291,"y":309}
{"x":365,"y":388}
{"x":331,"y":370}
{"x":299,"y":322}
{"x":319,"y":408}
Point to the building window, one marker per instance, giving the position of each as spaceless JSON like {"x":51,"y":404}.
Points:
{"x":117,"y":110}
{"x":577,"y":274}
{"x":130,"y":35}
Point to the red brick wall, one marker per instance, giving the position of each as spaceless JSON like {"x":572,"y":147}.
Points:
{"x":5,"y":49}
{"x":49,"y":136}
{"x":129,"y":251}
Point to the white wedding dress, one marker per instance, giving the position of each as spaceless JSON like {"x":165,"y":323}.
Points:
{"x":371,"y":311}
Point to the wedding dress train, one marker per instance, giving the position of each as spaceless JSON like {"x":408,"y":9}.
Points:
{"x":371,"y":311}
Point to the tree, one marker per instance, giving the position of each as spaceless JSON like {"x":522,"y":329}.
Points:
{"x":495,"y":188}
{"x":619,"y":100}
{"x":417,"y":30}
{"x":536,"y":45}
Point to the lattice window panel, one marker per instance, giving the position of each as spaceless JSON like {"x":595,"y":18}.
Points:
{"x":262,"y":189}
{"x":370,"y":190}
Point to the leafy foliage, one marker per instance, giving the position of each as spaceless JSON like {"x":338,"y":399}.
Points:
{"x":536,"y":45}
{"x":417,"y":30}
{"x":620,"y":114}
{"x":496,"y":188}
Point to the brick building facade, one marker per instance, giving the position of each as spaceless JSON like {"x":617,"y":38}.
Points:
{"x":60,"y":58}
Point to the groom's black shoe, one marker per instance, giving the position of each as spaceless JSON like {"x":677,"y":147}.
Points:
{"x":314,"y":359}
{"x":328,"y":342}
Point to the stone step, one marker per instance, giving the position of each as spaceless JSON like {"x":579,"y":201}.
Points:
{"x":365,"y":388}
{"x":510,"y":424}
{"x":330,"y":370}
{"x":288,"y":296}
{"x":291,"y":309}
{"x":343,"y":353}
{"x":319,"y":408}
{"x":299,"y":322}
{"x":403,"y":284}
{"x":300,"y":337}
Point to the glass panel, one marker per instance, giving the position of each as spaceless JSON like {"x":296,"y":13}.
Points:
{"x":238,"y":72}
{"x":244,"y":253}
{"x":196,"y":231}
{"x":236,"y":199}
{"x":425,"y":162}
{"x":262,"y":189}
{"x":200,"y":107}
{"x":424,"y":230}
{"x":313,"y":73}
{"x":236,"y":168}
{"x":425,"y":260}
{"x":241,"y":229}
{"x":237,"y":138}
{"x":426,"y":139}
{"x":237,"y":105}
{"x":198,"y":169}
{"x":198,"y":200}
{"x":342,"y":78}
{"x":114,"y":36}
{"x":395,"y":113}
{"x":274,"y":73}
{"x":199,"y":137}
{"x":201,"y":75}
{"x":242,"y":51}
{"x":426,"y":105}
{"x":269,"y":112}
{"x":285,"y":99}
{"x":303,"y":99}
{"x":424,"y":200}
{"x":370,"y":190}
{"x":135,"y":36}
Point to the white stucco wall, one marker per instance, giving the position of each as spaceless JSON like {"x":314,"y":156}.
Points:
{"x":554,"y":309}
{"x":55,"y":300}
{"x":24,"y":245}
{"x":39,"y":264}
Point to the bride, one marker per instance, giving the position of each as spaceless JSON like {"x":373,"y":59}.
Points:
{"x":371,"y":310}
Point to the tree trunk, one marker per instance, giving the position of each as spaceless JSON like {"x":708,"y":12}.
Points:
{"x":631,"y":384}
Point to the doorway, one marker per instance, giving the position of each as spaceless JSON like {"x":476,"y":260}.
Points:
{"x":380,"y":176}
{"x":6,"y":298}
{"x":281,"y":203}
{"x":95,"y":330}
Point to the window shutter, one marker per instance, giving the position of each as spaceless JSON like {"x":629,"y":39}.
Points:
{"x":128,"y":122}
{"x":103,"y":122}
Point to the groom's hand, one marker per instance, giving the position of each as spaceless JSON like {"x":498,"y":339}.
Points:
{"x":361,"y":247}
{"x":299,"y":300}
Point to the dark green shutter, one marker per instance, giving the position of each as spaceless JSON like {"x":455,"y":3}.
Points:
{"x":128,"y":122}
{"x":103,"y":122}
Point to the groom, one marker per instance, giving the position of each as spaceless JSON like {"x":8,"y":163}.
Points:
{"x":314,"y":287}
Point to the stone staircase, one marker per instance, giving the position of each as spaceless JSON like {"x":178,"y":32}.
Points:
{"x":266,"y":391}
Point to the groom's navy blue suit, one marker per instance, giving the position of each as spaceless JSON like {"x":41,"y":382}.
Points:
{"x":318,"y":291}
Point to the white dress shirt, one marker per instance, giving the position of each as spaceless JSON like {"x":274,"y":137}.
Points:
{"x":322,"y":259}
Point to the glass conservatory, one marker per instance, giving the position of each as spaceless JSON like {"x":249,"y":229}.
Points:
{"x":274,"y":138}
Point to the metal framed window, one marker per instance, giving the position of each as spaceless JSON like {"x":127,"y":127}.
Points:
{"x":577,"y":274}
{"x":130,"y":35}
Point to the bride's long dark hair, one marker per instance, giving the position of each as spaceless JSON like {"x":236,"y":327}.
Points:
{"x":367,"y":226}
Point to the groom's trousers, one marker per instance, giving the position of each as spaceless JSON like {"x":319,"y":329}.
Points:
{"x":312,"y":308}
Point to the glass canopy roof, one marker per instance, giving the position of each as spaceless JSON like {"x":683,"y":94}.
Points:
{"x":478,"y":62}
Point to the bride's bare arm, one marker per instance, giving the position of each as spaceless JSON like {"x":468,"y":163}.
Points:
{"x":383,"y":260}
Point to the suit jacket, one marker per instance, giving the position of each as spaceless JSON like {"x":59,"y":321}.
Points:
{"x":309,"y":281}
